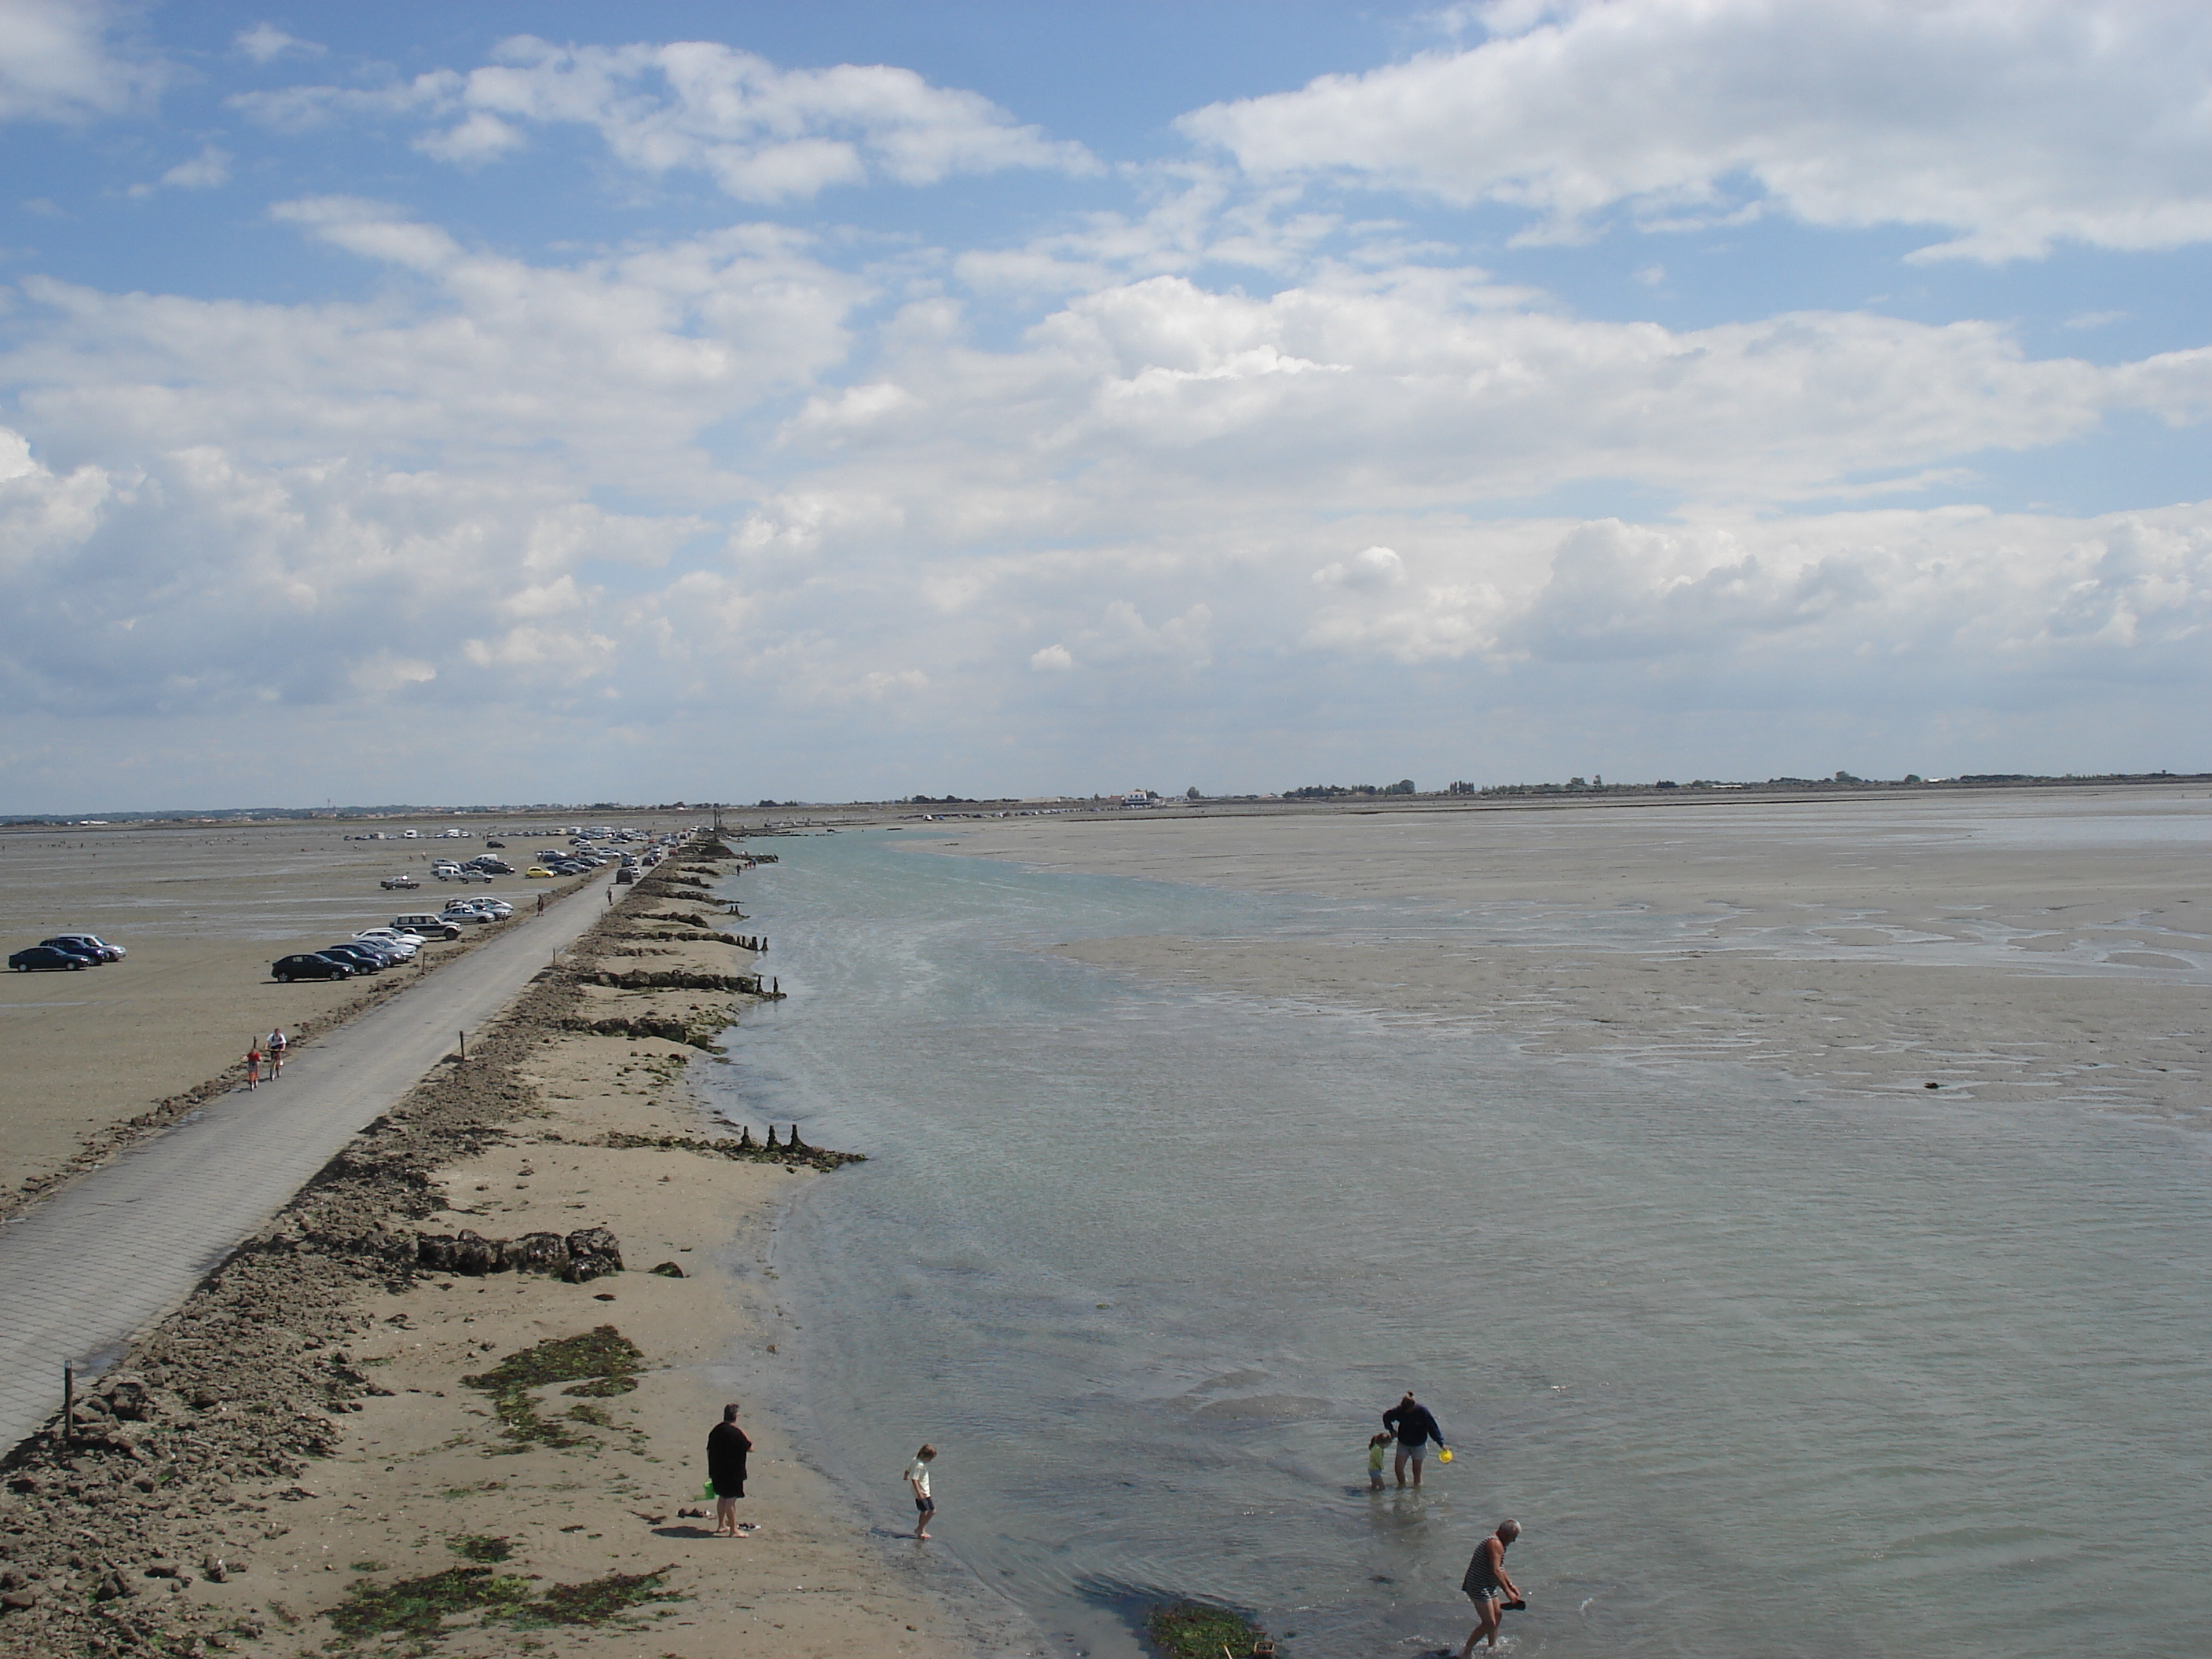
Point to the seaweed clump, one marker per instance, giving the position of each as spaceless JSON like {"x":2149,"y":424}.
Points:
{"x":599,"y":1364}
{"x":476,"y":1546}
{"x":1192,"y":1630}
{"x":419,"y":1607}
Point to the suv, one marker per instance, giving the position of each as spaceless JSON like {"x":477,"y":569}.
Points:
{"x":425,"y":926}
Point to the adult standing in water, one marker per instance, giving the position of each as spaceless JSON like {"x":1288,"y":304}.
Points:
{"x":1411,"y":1422}
{"x":727,"y":1446}
{"x":1489,"y":1588}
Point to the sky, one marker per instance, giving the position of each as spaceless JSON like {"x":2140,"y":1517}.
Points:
{"x":508,"y":402}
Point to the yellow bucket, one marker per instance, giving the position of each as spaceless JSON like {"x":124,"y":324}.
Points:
{"x":1443,"y":1454}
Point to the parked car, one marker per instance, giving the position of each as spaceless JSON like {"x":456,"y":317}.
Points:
{"x":392,"y":882}
{"x":367,"y":961}
{"x":495,"y":844}
{"x":87,"y":945}
{"x":46,"y":956}
{"x":407,"y":944}
{"x":467,"y":918}
{"x":425,"y":926}
{"x":313,"y":964}
{"x":623,"y":877}
{"x":538,"y":873}
{"x":464,"y":876}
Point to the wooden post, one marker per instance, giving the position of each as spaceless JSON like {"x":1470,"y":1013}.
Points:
{"x":69,"y":1404}
{"x":464,"y":1045}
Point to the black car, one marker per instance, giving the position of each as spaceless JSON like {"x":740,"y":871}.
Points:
{"x":45,"y":955}
{"x":311,"y":965}
{"x":368,"y":961}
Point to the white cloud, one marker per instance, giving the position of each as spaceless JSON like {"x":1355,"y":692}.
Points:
{"x":2012,"y":127}
{"x":1052,"y":660}
{"x":613,"y":363}
{"x":58,"y":62}
{"x":264,"y":43}
{"x":206,"y":170}
{"x":1949,"y":594}
{"x":762,"y":133}
{"x":1377,"y":566}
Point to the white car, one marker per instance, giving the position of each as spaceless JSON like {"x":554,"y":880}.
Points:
{"x":407,"y":944}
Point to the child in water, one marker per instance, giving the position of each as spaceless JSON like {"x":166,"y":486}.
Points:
{"x":1378,"y":1449}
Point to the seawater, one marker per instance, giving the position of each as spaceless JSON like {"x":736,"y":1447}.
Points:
{"x":1760,"y":1375}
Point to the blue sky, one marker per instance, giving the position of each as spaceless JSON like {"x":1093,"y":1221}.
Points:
{"x":565,"y":402}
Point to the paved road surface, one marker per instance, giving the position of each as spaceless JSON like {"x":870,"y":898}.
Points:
{"x":101,"y":1261}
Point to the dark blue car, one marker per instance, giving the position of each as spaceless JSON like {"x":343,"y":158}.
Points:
{"x":311,"y":965}
{"x":45,"y":955}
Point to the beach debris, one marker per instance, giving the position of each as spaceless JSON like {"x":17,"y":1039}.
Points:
{"x":480,"y":1547}
{"x":670,"y":1270}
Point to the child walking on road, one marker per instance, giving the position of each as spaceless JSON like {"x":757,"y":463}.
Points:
{"x":917,"y":1476}
{"x":253,"y":1066}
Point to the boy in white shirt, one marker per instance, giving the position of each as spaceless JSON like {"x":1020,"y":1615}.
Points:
{"x":917,"y":1476}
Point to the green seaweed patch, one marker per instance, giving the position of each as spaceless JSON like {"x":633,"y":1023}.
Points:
{"x":599,"y":1364}
{"x":595,"y":1601}
{"x":476,"y":1546}
{"x":420,"y":1607}
{"x":1193,"y":1630}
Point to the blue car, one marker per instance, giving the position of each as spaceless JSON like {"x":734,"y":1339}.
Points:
{"x":45,"y":955}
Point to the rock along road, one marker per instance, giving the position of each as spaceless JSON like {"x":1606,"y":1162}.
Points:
{"x":97,"y":1265}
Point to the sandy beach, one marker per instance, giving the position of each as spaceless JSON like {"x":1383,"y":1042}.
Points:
{"x":2011,"y":945}
{"x":320,"y":1447}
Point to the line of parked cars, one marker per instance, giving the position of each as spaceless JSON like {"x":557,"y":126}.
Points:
{"x":67,"y":951}
{"x":374,"y":949}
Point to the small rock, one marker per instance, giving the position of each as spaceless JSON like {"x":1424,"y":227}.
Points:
{"x":163,"y":1569}
{"x":18,"y":1600}
{"x":669,"y":1270}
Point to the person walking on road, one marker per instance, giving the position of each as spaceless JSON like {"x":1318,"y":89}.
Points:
{"x":1490,"y":1588}
{"x":253,"y":1066}
{"x":726,"y":1449}
{"x":1415,"y":1428}
{"x":917,"y":1476}
{"x":278,"y":1042}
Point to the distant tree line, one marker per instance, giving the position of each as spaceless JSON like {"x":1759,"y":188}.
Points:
{"x":1333,"y":791}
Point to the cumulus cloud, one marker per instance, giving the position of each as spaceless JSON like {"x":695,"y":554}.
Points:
{"x":762,"y":133}
{"x":59,"y":62}
{"x":615,"y":362}
{"x":2011,"y":127}
{"x":1930,"y":595}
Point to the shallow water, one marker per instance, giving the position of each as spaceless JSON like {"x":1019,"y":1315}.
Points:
{"x":1760,"y":1375}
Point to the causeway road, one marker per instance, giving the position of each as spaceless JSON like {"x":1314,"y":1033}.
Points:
{"x":106,"y":1258}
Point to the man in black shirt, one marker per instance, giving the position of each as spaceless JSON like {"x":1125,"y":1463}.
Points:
{"x":1410,"y":1421}
{"x":727,"y":1446}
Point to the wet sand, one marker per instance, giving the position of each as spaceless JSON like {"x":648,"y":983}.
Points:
{"x":2013,"y":945}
